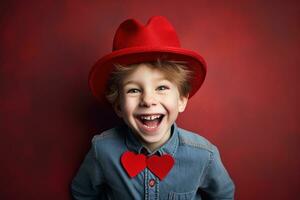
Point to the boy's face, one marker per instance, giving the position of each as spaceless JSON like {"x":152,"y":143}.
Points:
{"x":149,"y":105}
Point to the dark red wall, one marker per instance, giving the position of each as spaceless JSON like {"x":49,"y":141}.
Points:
{"x":248,"y":105}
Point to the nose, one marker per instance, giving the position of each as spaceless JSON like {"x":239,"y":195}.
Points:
{"x":148,"y":99}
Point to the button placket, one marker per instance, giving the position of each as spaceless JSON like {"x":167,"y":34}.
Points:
{"x":151,"y":186}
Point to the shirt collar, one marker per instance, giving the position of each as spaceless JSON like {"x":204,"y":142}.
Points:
{"x":170,"y":147}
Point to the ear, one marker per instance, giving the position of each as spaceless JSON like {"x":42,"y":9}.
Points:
{"x":182,"y":102}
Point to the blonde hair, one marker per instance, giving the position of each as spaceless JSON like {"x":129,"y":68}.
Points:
{"x":175,"y":71}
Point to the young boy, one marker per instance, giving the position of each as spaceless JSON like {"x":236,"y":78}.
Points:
{"x":148,"y":79}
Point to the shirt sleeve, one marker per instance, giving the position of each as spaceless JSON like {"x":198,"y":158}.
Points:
{"x":88,"y":184}
{"x":217,"y":184}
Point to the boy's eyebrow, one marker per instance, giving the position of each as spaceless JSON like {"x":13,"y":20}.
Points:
{"x":129,"y":82}
{"x":136,"y":82}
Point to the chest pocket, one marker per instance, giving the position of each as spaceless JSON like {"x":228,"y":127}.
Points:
{"x":181,"y":196}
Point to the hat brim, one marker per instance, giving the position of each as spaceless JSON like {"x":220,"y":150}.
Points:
{"x":100,"y":72}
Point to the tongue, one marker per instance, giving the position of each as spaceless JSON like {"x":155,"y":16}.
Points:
{"x":151,"y":123}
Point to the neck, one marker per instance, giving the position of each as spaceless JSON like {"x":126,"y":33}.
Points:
{"x":156,"y":145}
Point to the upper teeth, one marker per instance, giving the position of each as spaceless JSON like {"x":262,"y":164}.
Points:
{"x":152,"y":117}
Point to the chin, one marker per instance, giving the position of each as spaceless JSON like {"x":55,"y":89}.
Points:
{"x":152,"y":139}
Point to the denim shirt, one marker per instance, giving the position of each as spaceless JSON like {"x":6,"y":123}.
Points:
{"x":198,"y":172}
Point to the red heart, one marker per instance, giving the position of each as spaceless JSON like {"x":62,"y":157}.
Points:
{"x":133,"y":163}
{"x":160,"y":166}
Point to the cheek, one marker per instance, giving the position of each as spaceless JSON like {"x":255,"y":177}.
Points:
{"x":171,"y":103}
{"x":128,"y":105}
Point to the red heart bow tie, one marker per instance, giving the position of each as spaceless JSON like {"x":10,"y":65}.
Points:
{"x":158,"y":165}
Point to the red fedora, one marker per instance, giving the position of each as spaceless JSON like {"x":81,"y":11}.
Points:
{"x":136,"y":43}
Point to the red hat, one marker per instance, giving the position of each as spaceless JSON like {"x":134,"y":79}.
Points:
{"x":135,"y":43}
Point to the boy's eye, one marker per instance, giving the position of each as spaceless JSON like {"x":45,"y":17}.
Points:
{"x":162,"y":87}
{"x":134,"y":90}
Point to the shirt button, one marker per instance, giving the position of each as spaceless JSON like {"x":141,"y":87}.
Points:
{"x":151,"y":182}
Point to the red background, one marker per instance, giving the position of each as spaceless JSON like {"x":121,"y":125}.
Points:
{"x":248,"y":105}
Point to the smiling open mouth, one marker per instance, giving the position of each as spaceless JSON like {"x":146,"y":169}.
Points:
{"x":150,"y":121}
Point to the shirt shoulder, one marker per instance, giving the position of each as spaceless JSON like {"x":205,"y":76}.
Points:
{"x":110,"y":136}
{"x":109,"y":144}
{"x":194,"y":140}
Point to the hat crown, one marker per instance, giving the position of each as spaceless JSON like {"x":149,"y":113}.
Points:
{"x":157,"y":32}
